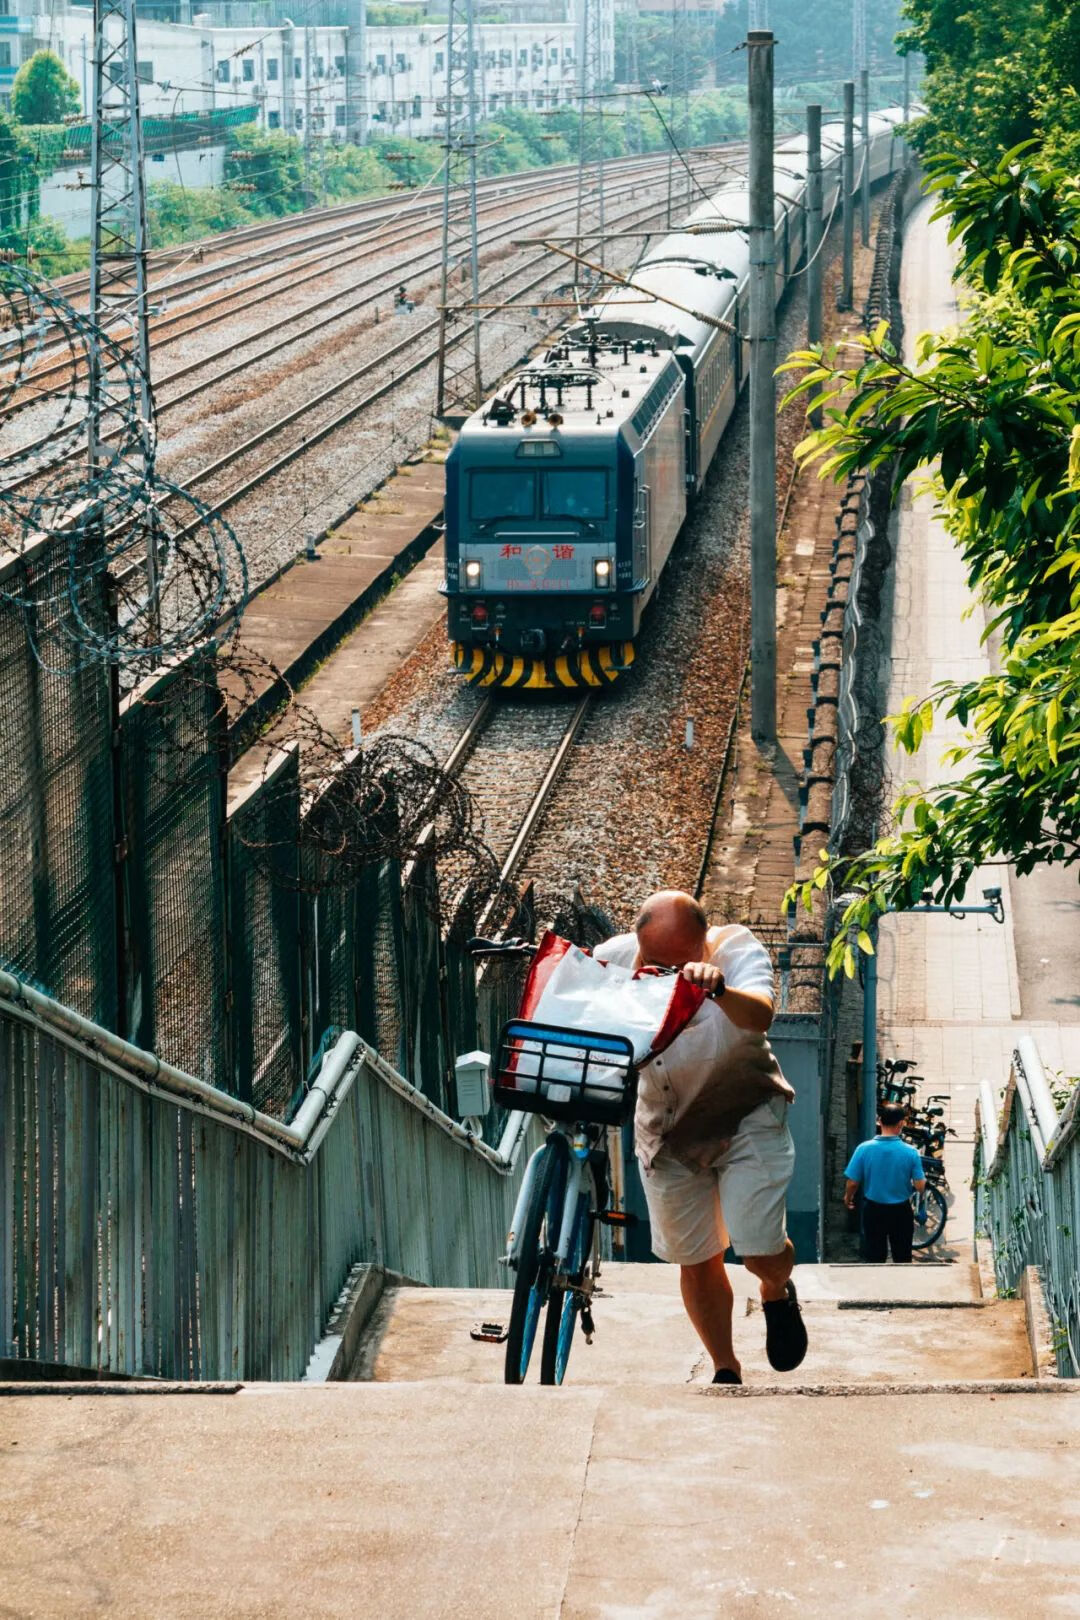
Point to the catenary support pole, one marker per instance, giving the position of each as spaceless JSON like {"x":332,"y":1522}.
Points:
{"x":762,"y":390}
{"x":813,"y":234}
{"x":847,"y":184}
{"x":868,"y":1101}
{"x":907,"y":86}
{"x":864,"y":91}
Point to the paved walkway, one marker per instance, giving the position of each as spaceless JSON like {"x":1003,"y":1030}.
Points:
{"x":951,"y":995}
{"x":635,"y":1492}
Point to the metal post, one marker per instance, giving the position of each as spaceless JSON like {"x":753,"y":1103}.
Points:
{"x":864,"y":87}
{"x":307,"y":116}
{"x":356,"y":72}
{"x":907,"y":86}
{"x":678,"y":109}
{"x":459,"y":389}
{"x":762,"y":390}
{"x":868,"y":1103}
{"x":847,"y":183}
{"x":813,"y":235}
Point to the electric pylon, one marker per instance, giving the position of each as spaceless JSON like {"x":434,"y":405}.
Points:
{"x":589,"y":226}
{"x":459,"y":387}
{"x":118,"y":224}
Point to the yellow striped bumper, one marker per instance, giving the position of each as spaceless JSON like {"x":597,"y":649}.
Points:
{"x":562,"y":672}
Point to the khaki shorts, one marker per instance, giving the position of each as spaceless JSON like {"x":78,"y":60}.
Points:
{"x":694,"y":1214}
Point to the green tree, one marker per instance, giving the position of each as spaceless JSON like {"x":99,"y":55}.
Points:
{"x":996,"y":407}
{"x":44,"y":91}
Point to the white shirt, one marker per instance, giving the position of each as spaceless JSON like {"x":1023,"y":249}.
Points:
{"x":698,"y":1056}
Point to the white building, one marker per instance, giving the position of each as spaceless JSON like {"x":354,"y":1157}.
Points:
{"x":322,"y":79}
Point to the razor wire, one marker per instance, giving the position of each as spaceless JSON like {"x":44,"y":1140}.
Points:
{"x":168,"y":569}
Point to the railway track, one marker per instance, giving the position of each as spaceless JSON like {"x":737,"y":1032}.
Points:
{"x":370,"y":291}
{"x":296,"y":230}
{"x":511,"y":759}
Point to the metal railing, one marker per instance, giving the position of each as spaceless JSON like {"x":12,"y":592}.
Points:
{"x":150,"y":1223}
{"x":1027,"y":1192}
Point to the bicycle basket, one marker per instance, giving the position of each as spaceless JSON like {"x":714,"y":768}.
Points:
{"x":566,"y":1074}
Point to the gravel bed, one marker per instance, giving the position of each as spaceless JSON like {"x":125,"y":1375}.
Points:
{"x":503,"y":773}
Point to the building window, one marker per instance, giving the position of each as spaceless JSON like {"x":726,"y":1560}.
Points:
{"x":440,"y":61}
{"x":223,"y":73}
{"x":339,"y":65}
{"x":298,"y":117}
{"x":297,"y":68}
{"x":320,"y":67}
{"x":380,"y":112}
{"x":400,"y":64}
{"x":273,"y":120}
{"x":380,"y":64}
{"x":506,"y":58}
{"x":417,"y":109}
{"x":249,"y":70}
{"x":568,"y":54}
{"x":5,"y":53}
{"x":523,"y":58}
{"x":553,"y":54}
{"x":144,"y":72}
{"x":440,"y":107}
{"x":271,"y":67}
{"x":339,"y":115}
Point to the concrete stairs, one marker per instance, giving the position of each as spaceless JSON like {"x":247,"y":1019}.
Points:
{"x":918,"y":1325}
{"x":913,"y":1465}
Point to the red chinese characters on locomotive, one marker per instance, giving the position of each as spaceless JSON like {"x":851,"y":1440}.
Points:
{"x":562,"y":553}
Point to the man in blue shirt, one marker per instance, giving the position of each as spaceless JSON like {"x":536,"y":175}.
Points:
{"x":887,"y":1169}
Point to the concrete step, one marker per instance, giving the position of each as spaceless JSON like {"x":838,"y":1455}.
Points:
{"x":410,"y":1501}
{"x":867,"y":1325}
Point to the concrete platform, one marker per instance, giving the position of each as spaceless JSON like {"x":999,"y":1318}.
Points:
{"x":408,"y":1501}
{"x":867,"y":1324}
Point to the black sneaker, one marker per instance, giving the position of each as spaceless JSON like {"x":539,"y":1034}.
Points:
{"x":785,"y":1331}
{"x":726,"y":1375}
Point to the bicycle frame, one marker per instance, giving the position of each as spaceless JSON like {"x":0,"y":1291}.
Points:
{"x":579,"y":1180}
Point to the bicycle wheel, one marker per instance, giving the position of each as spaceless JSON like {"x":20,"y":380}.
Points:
{"x":564,"y":1305}
{"x":930,"y":1221}
{"x":539,"y":1234}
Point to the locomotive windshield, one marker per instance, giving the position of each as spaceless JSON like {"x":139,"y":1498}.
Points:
{"x":509,"y":494}
{"x":578,"y":493}
{"x":581,"y":493}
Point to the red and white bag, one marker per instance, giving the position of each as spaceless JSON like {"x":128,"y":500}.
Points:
{"x":570,"y":990}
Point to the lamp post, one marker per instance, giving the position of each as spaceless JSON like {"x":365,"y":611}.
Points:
{"x":994,"y":907}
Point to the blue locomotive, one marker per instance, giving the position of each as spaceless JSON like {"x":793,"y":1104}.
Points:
{"x":566,"y":492}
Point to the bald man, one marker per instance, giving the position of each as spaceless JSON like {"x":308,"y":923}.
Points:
{"x":703,"y":1189}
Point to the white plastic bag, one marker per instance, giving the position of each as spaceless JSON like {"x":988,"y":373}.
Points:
{"x":567,"y":989}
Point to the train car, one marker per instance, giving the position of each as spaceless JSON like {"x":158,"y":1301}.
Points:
{"x":566,"y":492}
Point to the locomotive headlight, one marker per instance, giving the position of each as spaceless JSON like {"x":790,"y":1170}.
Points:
{"x":603,"y":574}
{"x":474,"y":575}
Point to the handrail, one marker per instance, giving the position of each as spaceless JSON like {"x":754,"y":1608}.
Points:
{"x":1024,"y":1192}
{"x":298,"y":1140}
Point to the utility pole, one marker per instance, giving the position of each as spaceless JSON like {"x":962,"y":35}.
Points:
{"x":847,"y":183}
{"x":678,"y":110}
{"x":356,"y":72}
{"x":813,"y":234}
{"x":907,"y":86}
{"x":589,"y":243}
{"x":636,"y":143}
{"x":762,"y":244}
{"x":459,"y":388}
{"x":864,"y":86}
